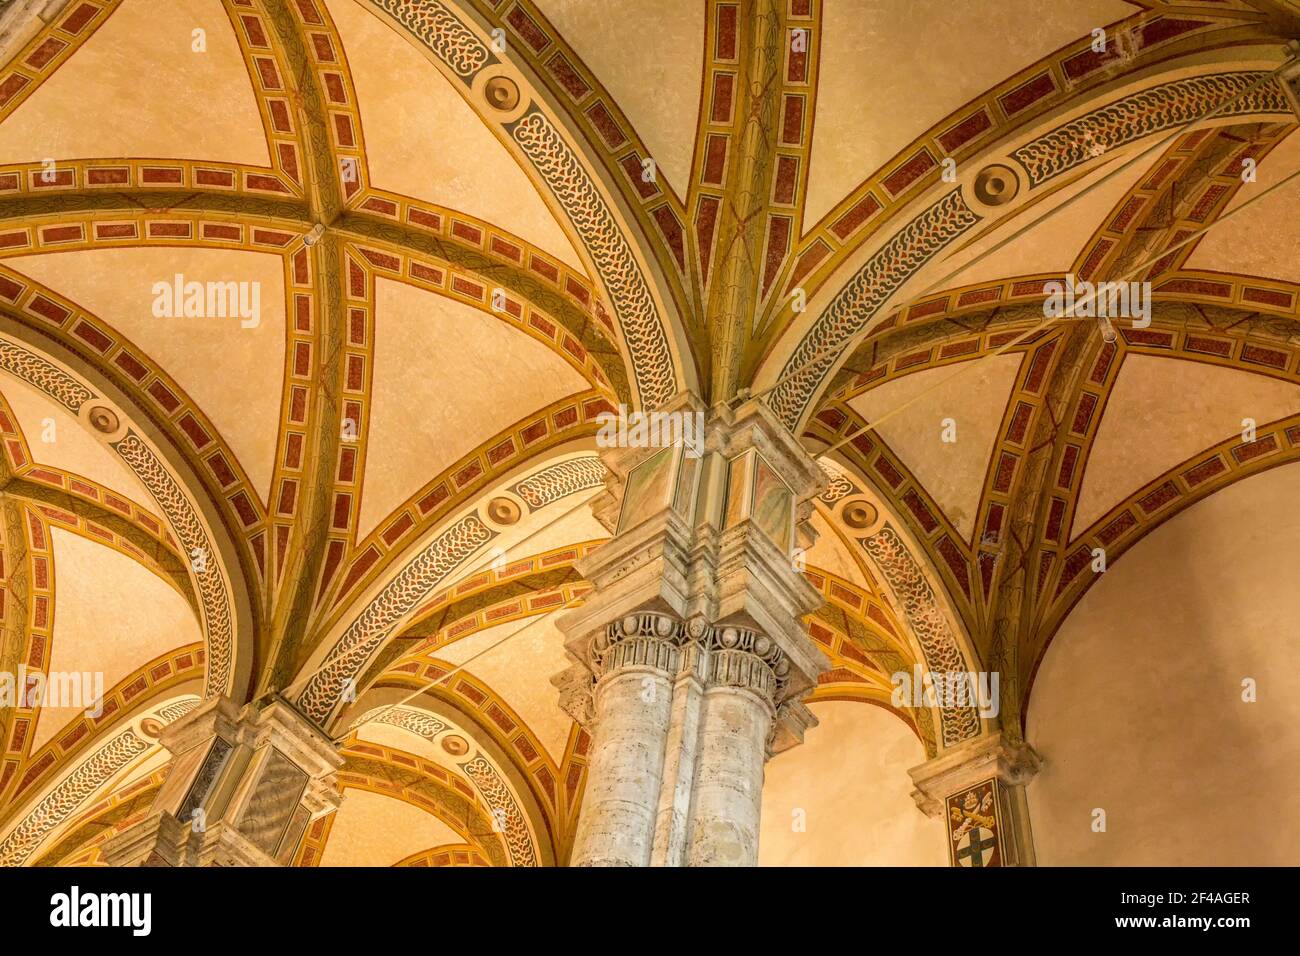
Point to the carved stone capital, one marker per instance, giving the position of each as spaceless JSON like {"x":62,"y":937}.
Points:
{"x":738,"y":657}
{"x":646,"y":640}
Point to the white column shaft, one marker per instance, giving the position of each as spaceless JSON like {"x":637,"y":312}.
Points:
{"x":729,"y":778}
{"x":617,"y":822}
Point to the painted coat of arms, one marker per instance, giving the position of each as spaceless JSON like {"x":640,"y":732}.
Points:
{"x":973,"y":826}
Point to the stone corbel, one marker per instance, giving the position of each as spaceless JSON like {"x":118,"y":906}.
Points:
{"x":978,"y":787}
{"x":575,"y":685}
{"x":968,"y":763}
{"x":793,"y":720}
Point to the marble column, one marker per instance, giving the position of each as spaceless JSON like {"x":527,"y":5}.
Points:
{"x":979,"y":788}
{"x":632,"y":700}
{"x":735,"y":726}
{"x":243,"y":786}
{"x":690,"y":658}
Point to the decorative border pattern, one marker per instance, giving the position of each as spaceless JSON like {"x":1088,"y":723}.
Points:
{"x":838,"y":484}
{"x":175,"y":506}
{"x":373,"y":626}
{"x":643,"y":330}
{"x":177,"y":710}
{"x":416,"y":721}
{"x":495,"y":718}
{"x":151,"y":679}
{"x":446,"y":855}
{"x":213,"y":596}
{"x":418,"y":781}
{"x":862,"y":297}
{"x":1142,"y":114}
{"x":1073,"y":75}
{"x":559,"y":481}
{"x":499,"y":798}
{"x":932,"y":632}
{"x":479,"y":770}
{"x":50,"y":379}
{"x":460,"y":484}
{"x":58,"y":805}
{"x":442,"y":32}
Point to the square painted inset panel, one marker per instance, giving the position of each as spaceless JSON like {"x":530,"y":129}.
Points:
{"x":649,"y":489}
{"x":773,"y":508}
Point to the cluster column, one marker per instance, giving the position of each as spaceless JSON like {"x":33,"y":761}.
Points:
{"x":746,"y":671}
{"x":690,"y":658}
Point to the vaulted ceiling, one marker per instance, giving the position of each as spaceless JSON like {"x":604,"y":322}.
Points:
{"x":473,"y":225}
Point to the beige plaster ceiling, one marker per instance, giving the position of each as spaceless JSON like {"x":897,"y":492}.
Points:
{"x":1263,"y":239}
{"x":1069,"y":217}
{"x":975,"y":400}
{"x":138,"y":88}
{"x":831,"y":552}
{"x":399,"y":738}
{"x":233,"y":373}
{"x":518,"y":660}
{"x":371,"y":829}
{"x":1137,"y":706}
{"x":885,"y":78}
{"x":447,"y":378}
{"x":111,"y":616}
{"x":1161,"y":412}
{"x":649,"y":56}
{"x":74,"y":447}
{"x":574,"y":527}
{"x":424,"y":140}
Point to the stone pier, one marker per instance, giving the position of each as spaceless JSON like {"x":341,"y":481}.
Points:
{"x":690,"y":658}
